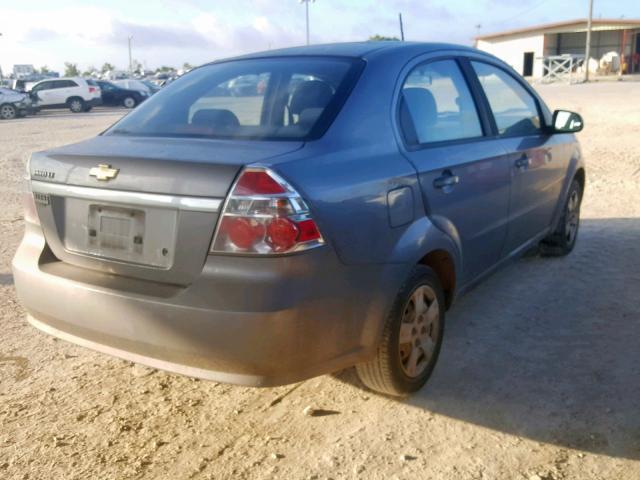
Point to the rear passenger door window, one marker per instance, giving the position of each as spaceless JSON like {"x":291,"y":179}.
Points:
{"x":514,"y":108}
{"x":437,"y":105}
{"x":234,"y":102}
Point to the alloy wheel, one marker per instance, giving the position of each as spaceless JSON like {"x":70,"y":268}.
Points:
{"x":76,"y":106}
{"x":129,"y":102}
{"x":7,"y":112}
{"x":572,"y":218}
{"x":419,"y":331}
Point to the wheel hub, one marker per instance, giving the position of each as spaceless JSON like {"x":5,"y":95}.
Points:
{"x":572,"y":216}
{"x":419,"y":331}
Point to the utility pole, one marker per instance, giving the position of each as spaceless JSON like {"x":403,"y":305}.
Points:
{"x":401,"y":27}
{"x":588,"y":47}
{"x":306,"y":6}
{"x":130,"y":59}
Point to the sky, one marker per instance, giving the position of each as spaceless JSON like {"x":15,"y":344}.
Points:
{"x":172,"y":32}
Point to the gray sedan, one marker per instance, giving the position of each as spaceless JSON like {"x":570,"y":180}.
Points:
{"x":326,"y":219}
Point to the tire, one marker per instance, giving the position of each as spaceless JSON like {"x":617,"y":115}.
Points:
{"x":562,"y":241}
{"x":399,"y":369}
{"x":8,"y":112}
{"x":129,"y":102}
{"x":76,"y":104}
{"x":88,"y":108}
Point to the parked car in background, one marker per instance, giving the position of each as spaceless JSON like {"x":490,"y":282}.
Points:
{"x":116,"y":95}
{"x":153,"y":87}
{"x":74,"y":93}
{"x":22,"y":85}
{"x":263,"y":241}
{"x":163,"y":76}
{"x":244,"y":85}
{"x":14,"y":104}
{"x":133,"y":84}
{"x":93,"y":83}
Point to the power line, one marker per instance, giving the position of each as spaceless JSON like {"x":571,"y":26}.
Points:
{"x":530,"y":9}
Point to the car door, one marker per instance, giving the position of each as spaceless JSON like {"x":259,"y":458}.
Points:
{"x":537,"y":160}
{"x":66,"y":89}
{"x":464,"y":175}
{"x":43,"y":91}
{"x":57,"y":94}
{"x":108,"y":93}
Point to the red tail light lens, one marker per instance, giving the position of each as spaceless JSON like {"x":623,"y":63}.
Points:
{"x":265,"y":215}
{"x":257,"y":183}
{"x":282,"y":234}
{"x":92,"y":89}
{"x":242,"y":232}
{"x":308,"y":231}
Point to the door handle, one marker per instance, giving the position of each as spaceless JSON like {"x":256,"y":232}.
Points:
{"x":446,"y":180}
{"x":522,"y":162}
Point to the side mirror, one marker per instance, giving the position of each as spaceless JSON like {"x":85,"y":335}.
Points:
{"x":567,"y":122}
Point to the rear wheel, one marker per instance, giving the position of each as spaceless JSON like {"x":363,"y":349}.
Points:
{"x":129,"y":102}
{"x":8,"y":112}
{"x":562,"y":241}
{"x":412,"y":337}
{"x":76,"y":105}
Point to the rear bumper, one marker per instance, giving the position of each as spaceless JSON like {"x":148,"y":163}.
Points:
{"x":95,"y":102}
{"x":249,"y":321}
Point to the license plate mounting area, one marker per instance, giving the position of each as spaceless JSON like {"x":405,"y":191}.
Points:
{"x":111,"y":228}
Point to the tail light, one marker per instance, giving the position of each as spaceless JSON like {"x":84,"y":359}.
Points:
{"x":92,"y":89}
{"x":263,"y":214}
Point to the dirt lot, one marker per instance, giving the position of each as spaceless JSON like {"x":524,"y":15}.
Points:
{"x":539,"y":376}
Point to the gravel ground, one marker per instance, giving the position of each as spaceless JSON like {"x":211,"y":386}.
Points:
{"x":539,"y":378}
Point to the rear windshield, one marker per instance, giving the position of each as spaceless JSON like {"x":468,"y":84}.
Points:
{"x":263,"y":99}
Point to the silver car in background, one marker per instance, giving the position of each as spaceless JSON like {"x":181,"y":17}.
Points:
{"x":14,"y":104}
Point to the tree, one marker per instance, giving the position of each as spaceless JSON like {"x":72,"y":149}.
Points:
{"x":89,"y":71}
{"x":164,"y":69}
{"x":382,"y":38}
{"x":186,"y":66}
{"x":107,"y":67}
{"x":71,"y":69}
{"x":44,"y":70}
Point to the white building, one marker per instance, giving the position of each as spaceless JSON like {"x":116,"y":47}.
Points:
{"x":23,"y":71}
{"x":525,"y":49}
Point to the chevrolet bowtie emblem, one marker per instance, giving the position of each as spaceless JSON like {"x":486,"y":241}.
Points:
{"x":104,"y":172}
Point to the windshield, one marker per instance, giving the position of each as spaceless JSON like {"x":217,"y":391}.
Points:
{"x":264,"y":99}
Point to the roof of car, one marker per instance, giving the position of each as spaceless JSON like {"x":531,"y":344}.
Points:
{"x":358,"y":49}
{"x":55,"y":79}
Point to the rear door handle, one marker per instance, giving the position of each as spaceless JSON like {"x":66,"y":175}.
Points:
{"x":522,"y":162}
{"x":446,"y":180}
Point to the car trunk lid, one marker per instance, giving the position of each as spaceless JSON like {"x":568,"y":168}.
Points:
{"x":139,"y":207}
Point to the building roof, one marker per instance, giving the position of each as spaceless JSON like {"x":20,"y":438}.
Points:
{"x":579,"y":25}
